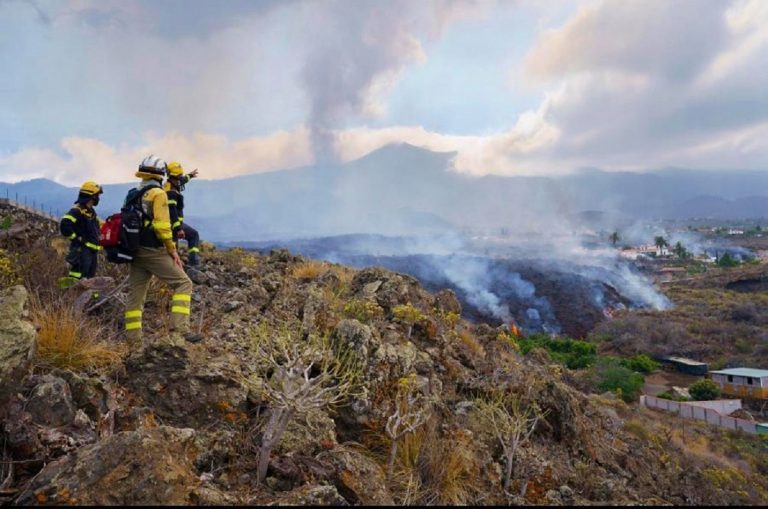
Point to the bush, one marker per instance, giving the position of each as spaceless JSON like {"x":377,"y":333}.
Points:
{"x":704,"y":390}
{"x":308,"y":270}
{"x":363,"y":311}
{"x":727,"y":261}
{"x":69,"y":339}
{"x":573,"y":353}
{"x":670,"y":396}
{"x":745,"y":312}
{"x":610,"y":376}
{"x":640,"y":363}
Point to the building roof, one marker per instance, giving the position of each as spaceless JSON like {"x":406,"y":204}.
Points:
{"x":754,"y":373}
{"x":683,"y":360}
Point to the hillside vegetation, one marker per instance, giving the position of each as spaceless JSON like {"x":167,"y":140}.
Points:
{"x":719,"y":316}
{"x":319,"y":384}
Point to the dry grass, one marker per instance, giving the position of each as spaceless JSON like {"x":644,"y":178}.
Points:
{"x":235,"y":258}
{"x":308,"y":270}
{"x":432,"y":468}
{"x":454,"y":475}
{"x":468,"y":340}
{"x":68,"y":339}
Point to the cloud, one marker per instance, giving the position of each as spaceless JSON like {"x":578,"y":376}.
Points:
{"x":634,"y":85}
{"x":82,"y":159}
{"x":629,"y":84}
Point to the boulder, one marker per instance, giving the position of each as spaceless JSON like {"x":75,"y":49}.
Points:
{"x":17,"y":341}
{"x":200,"y":393}
{"x":389,"y":288}
{"x":311,"y":310}
{"x":447,"y":302}
{"x":359,"y":479}
{"x":355,"y":335}
{"x":51,"y":402}
{"x":148,"y":467}
{"x":89,"y":394}
{"x":309,"y":433}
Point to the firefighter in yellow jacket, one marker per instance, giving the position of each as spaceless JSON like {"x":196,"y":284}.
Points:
{"x":157,"y":256}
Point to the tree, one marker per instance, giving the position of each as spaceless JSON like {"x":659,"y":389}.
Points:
{"x":660,"y":243}
{"x":511,"y":421}
{"x":704,"y":390}
{"x":680,"y":251}
{"x":411,"y":411}
{"x":615,"y":238}
{"x":727,"y":261}
{"x":299,"y":375}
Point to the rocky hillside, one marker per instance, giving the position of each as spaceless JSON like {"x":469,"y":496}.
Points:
{"x":385,"y":395}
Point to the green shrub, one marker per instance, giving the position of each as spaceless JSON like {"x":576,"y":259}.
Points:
{"x":671,"y":396}
{"x":610,"y":376}
{"x":573,"y":353}
{"x":727,"y":261}
{"x":640,"y":363}
{"x":704,"y":390}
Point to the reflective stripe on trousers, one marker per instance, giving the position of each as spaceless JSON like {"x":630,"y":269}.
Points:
{"x":133,"y":319}
{"x":181,"y":303}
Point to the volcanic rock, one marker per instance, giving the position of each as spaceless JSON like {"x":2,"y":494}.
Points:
{"x":17,"y":341}
{"x":147,"y":467}
{"x":51,"y":402}
{"x":186,"y":393}
{"x":359,"y":479}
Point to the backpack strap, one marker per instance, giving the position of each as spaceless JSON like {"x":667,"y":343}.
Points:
{"x":135,"y":196}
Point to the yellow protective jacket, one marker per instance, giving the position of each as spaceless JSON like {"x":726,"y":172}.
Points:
{"x":155,"y":205}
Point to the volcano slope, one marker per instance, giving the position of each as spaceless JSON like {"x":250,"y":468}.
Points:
{"x":172,"y":425}
{"x":719,"y":317}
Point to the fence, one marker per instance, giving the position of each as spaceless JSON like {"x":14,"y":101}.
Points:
{"x":709,"y":411}
{"x":32,"y":209}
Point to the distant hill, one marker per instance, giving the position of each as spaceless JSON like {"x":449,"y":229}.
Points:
{"x":405,"y":190}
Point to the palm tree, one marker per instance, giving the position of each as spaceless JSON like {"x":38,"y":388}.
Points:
{"x":661,"y":243}
{"x":615,"y":237}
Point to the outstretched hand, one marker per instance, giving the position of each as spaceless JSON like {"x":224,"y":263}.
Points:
{"x":193,"y":173}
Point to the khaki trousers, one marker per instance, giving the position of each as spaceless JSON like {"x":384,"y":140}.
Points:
{"x":150,"y":262}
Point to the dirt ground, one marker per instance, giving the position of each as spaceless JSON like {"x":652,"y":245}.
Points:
{"x":660,"y":381}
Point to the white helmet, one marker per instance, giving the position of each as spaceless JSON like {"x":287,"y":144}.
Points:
{"x":152,"y":167}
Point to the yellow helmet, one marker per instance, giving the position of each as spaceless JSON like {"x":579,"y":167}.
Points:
{"x":90,"y":188}
{"x":175,"y":170}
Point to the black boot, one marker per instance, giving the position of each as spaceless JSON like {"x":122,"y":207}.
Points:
{"x":191,"y":337}
{"x":194,"y":259}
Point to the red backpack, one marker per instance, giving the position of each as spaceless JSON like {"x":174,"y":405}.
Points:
{"x":110,"y":230}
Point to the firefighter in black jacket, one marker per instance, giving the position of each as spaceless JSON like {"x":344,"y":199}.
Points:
{"x":81,"y":226}
{"x":181,"y":230}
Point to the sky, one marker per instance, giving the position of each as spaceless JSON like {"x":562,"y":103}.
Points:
{"x":513,"y":87}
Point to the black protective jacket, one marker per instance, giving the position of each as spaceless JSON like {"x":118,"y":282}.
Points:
{"x":81,"y":225}
{"x":176,"y":204}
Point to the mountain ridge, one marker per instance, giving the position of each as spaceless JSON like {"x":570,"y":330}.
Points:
{"x":396,"y":188}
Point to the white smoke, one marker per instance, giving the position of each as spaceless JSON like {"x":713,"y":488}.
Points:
{"x":359,"y":51}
